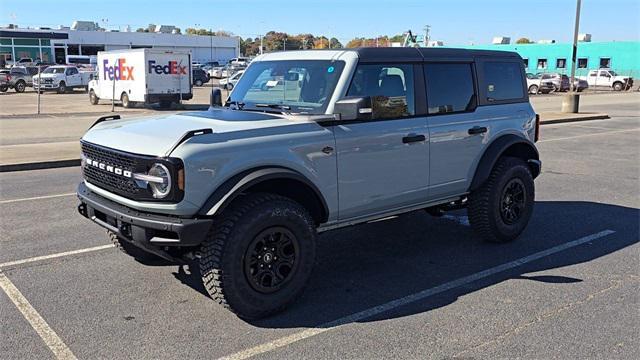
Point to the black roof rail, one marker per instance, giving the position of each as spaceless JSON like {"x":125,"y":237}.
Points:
{"x":187,"y":136}
{"x":105,"y":118}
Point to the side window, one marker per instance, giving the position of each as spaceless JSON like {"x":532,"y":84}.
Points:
{"x":449,"y":88}
{"x":390,"y":87}
{"x":503,"y":80}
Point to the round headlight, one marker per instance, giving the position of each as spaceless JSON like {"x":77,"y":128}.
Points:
{"x":160,"y":189}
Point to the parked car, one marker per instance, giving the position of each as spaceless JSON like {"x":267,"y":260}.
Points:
{"x":242,"y":61}
{"x":579,"y":85}
{"x":536,"y":85}
{"x":21,"y":62}
{"x":241,"y":191}
{"x":230,"y":82}
{"x":61,"y":78}
{"x":609,"y":79}
{"x":21,"y":77}
{"x":215,"y":72}
{"x":4,"y":81}
{"x":200,"y":77}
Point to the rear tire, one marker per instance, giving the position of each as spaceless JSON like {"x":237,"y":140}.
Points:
{"x":4,"y":88}
{"x":198,"y":83}
{"x":258,"y":257}
{"x":93,"y":98}
{"x":501,"y":208}
{"x":125,"y":100}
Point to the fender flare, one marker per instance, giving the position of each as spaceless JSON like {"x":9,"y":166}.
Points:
{"x":496,"y":149}
{"x":235,"y":186}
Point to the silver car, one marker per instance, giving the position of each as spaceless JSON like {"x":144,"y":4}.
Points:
{"x":308,"y":142}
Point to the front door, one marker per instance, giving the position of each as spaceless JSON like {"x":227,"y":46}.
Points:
{"x":382,"y":163}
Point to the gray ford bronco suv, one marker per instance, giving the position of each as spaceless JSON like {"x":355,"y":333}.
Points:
{"x":310,"y":141}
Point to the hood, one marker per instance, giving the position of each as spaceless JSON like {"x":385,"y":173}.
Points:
{"x":158,"y":134}
{"x":47,"y":75}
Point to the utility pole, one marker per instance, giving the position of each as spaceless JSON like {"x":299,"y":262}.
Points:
{"x":261,"y":44}
{"x":284,"y":45}
{"x":211,"y":44}
{"x":427,"y":30}
{"x":571,"y":101}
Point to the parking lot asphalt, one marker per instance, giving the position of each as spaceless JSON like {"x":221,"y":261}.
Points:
{"x":409,"y":287}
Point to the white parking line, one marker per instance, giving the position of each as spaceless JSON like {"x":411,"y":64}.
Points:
{"x":305,"y":334}
{"x":586,"y":135}
{"x":36,"y":198}
{"x":50,"y":338}
{"x":53,"y":256}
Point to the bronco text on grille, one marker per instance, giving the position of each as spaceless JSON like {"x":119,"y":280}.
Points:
{"x":110,"y":169}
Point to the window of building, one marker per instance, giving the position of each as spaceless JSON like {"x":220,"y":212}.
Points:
{"x":542,"y":63}
{"x":525,"y":62}
{"x":605,"y":63}
{"x":92,"y":49}
{"x":503,"y":81}
{"x":31,"y":42}
{"x":390,"y":87}
{"x":73,"y":49}
{"x":449,"y":88}
{"x":27,"y":52}
{"x":141,"y":46}
{"x":45,"y":42}
{"x":5,"y":41}
{"x":583,"y":63}
{"x":561,"y":63}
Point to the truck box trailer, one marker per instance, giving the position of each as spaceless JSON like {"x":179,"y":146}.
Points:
{"x":142,"y":76}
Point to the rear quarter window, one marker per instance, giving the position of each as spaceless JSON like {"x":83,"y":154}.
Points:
{"x":503,"y":81}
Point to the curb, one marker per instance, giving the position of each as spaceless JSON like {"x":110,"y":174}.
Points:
{"x":575,"y":119}
{"x":40,"y":165}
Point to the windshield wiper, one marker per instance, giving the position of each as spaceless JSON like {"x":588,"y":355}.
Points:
{"x":274,"y":106}
{"x":239,"y":104}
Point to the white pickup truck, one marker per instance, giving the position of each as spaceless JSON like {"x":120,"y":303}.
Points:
{"x":61,"y":78}
{"x":607,"y":78}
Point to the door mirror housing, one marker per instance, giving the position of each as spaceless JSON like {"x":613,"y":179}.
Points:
{"x":216,"y":97}
{"x":353,"y":108}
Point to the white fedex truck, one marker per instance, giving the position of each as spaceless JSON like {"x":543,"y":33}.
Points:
{"x":142,"y":76}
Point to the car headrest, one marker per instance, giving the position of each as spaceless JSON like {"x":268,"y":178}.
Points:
{"x":392,"y":85}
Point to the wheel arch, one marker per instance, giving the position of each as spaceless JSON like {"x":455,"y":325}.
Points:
{"x":506,"y":145}
{"x":277,"y":180}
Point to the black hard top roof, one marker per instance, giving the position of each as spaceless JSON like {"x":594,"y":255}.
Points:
{"x":405,"y":54}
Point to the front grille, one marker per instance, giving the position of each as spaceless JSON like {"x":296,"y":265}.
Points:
{"x":113,"y":182}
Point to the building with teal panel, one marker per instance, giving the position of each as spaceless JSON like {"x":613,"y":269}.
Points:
{"x":621,"y":56}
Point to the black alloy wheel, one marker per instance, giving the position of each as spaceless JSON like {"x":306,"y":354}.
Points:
{"x":513,"y":201}
{"x":270,"y":260}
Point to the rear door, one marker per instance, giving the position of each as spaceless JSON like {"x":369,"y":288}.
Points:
{"x":383,"y":163}
{"x":457,"y":129}
{"x":168,"y":72}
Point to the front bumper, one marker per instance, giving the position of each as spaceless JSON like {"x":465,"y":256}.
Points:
{"x":145,"y":230}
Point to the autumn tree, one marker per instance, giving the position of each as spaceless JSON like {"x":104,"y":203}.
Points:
{"x":524,"y":40}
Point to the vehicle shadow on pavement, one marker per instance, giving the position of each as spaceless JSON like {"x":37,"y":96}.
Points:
{"x":365,"y":266}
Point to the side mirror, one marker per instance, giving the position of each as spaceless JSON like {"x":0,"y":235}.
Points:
{"x":216,"y":97}
{"x":353,"y":108}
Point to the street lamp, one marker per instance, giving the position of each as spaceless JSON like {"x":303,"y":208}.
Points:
{"x":571,"y":101}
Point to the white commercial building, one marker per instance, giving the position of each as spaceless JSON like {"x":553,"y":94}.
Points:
{"x":54,"y":45}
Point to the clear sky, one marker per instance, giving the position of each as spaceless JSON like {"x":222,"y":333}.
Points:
{"x":453,"y":21}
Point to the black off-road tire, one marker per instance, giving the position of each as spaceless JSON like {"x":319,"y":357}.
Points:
{"x":131,"y":249}
{"x":231,"y":240}
{"x":20,"y":86}
{"x":93,"y":98}
{"x":4,"y":88}
{"x":485,"y":203}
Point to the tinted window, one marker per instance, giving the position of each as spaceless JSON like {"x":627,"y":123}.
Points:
{"x":583,"y":63}
{"x":561,"y":63}
{"x":605,"y":62}
{"x":390,"y":87}
{"x":503,"y":80}
{"x":449,"y":88}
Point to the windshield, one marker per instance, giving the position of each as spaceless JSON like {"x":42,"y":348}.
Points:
{"x":53,"y":70}
{"x":298,"y":86}
{"x":613,"y":73}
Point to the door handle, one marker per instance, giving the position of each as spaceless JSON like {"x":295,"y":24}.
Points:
{"x":477,"y":130}
{"x":411,"y":138}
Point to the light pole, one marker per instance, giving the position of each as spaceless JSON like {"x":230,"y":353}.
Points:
{"x":571,"y":101}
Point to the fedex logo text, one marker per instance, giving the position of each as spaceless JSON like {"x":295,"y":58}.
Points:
{"x":118,"y":71}
{"x":172,"y":68}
